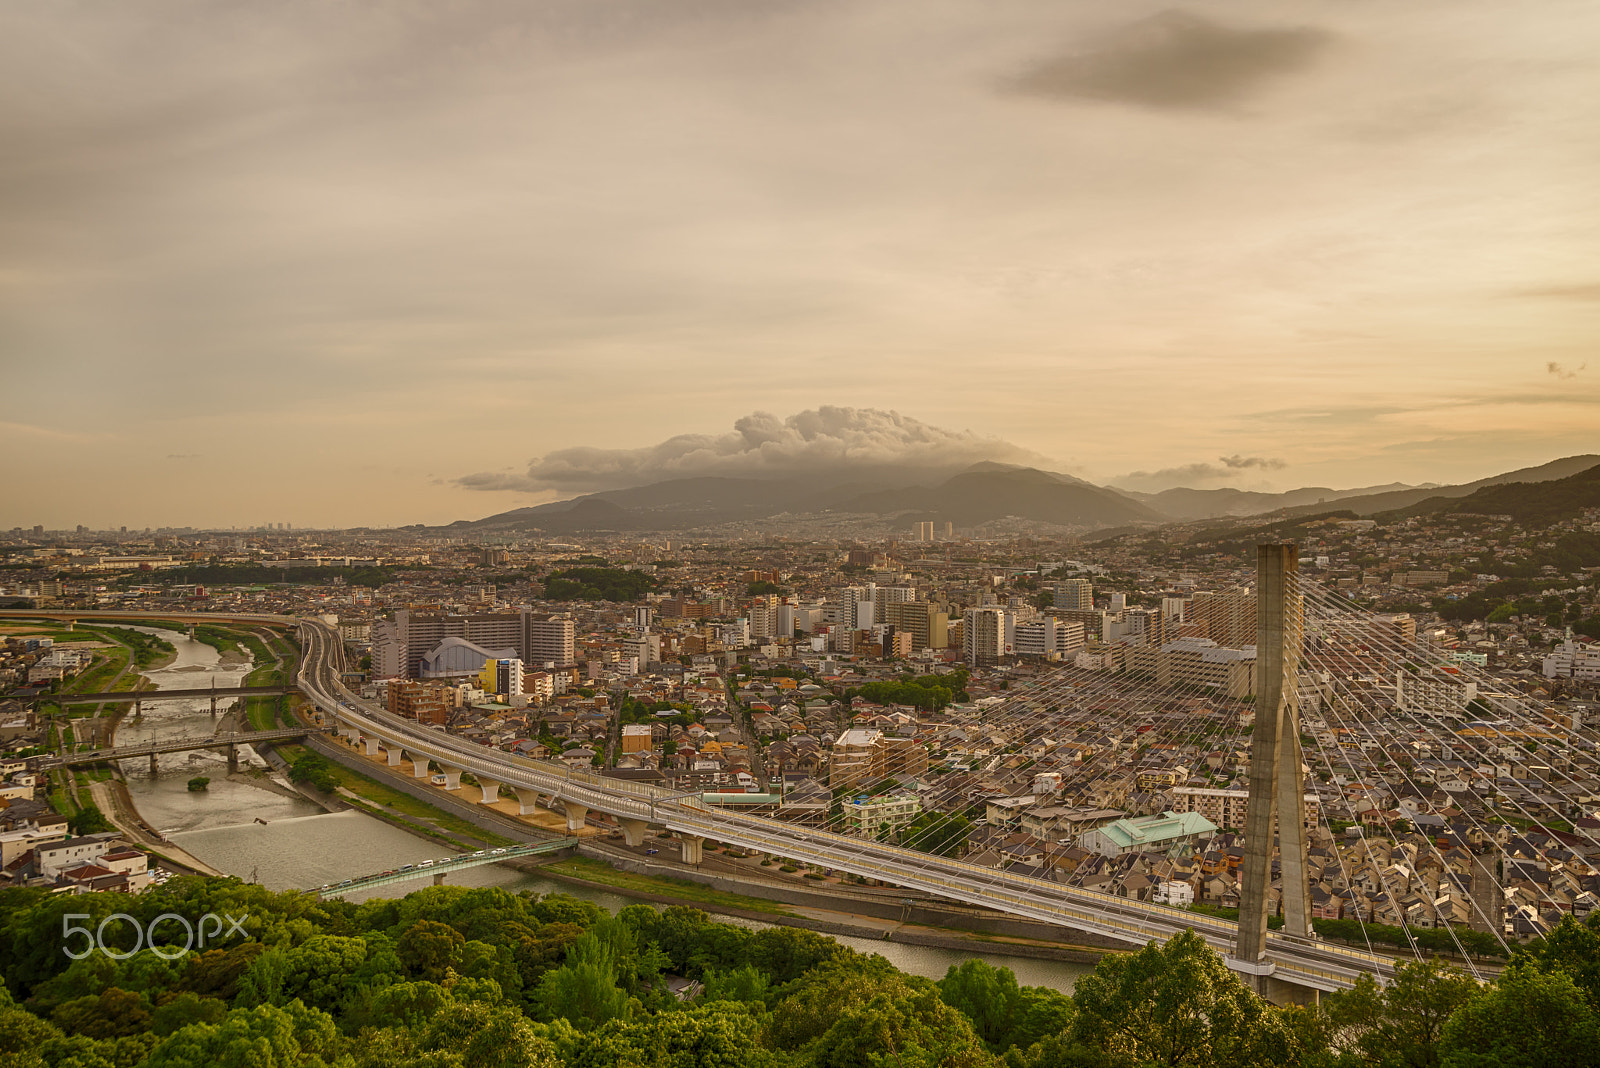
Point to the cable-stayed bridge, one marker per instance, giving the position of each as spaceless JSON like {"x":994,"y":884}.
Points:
{"x":1333,"y":711}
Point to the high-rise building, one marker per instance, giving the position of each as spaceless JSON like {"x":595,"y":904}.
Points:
{"x":983,"y":635}
{"x":784,"y":626}
{"x":927,"y":623}
{"x":502,"y":677}
{"x":400,"y":643}
{"x":761,"y":616}
{"x":1075,"y":594}
{"x":1227,"y":618}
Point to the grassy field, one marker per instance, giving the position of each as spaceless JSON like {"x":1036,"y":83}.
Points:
{"x":107,"y":664}
{"x":401,"y":805}
{"x":262,"y":712}
{"x":597,"y":871}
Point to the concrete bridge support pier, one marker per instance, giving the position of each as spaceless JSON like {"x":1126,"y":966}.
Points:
{"x":576,"y":814}
{"x":372,"y":746}
{"x":395,"y":753}
{"x":693,"y":848}
{"x":419,"y":766}
{"x":438,"y":878}
{"x":452,"y":777}
{"x":491,"y":791}
{"x":155,"y":765}
{"x":1277,"y":788}
{"x":527,"y":800}
{"x":233,"y":759}
{"x":632,"y":831}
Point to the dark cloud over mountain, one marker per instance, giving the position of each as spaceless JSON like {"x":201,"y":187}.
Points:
{"x":818,"y":441}
{"x":1195,"y":473}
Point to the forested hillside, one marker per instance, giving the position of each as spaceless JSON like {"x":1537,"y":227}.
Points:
{"x":482,"y":978}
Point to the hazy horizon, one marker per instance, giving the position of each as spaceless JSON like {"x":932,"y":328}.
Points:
{"x":344,"y":266}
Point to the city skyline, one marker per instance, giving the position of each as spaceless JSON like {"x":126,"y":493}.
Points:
{"x":345,"y":267}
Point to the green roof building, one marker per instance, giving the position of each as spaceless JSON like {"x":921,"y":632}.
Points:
{"x":1171,"y":832}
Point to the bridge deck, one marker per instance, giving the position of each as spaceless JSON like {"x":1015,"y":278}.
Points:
{"x":437,"y":868}
{"x":179,"y":745}
{"x":1311,"y":963}
{"x":146,"y":696}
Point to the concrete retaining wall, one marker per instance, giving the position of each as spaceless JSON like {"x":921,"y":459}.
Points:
{"x":922,"y":912}
{"x":476,"y":815}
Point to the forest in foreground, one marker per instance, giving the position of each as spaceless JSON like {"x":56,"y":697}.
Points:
{"x":449,"y":977}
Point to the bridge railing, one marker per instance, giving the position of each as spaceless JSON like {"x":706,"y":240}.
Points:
{"x":907,"y":867}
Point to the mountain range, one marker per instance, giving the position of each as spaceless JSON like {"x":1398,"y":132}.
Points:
{"x":978,"y":494}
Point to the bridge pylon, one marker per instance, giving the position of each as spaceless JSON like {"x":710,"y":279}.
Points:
{"x":1277,"y":786}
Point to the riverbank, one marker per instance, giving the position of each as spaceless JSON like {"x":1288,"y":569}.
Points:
{"x":112,"y":799}
{"x":823,"y":921}
{"x":721,"y":885}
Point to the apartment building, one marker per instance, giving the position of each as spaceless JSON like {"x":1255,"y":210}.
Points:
{"x":1226,"y":808}
{"x":926,"y":622}
{"x":400,"y":644}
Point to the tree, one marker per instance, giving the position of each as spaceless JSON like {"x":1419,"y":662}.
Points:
{"x":584,"y":990}
{"x":186,"y":1009}
{"x":263,"y":1037}
{"x":21,"y":1033}
{"x":905,"y":1024}
{"x":1178,"y":1004}
{"x":719,"y":1035}
{"x":746,"y":984}
{"x":111,"y":1014}
{"x":986,"y":995}
{"x":938,"y":833}
{"x":429,"y":949}
{"x":487,"y":1037}
{"x":1043,"y":1012}
{"x":1573,"y":948}
{"x":1399,"y":1024}
{"x":1529,"y":1019}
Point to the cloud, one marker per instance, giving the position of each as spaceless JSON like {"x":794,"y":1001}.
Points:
{"x":1562,"y":372}
{"x":1239,"y":463}
{"x":1191,"y":474}
{"x":761,"y":445}
{"x":1176,"y":60}
{"x":1581,"y":291}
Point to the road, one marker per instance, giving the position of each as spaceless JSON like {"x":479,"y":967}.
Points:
{"x":1301,"y":962}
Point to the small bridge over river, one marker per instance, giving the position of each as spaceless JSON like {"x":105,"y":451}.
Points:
{"x":143,"y":697}
{"x":229,"y":740}
{"x":440,"y":868}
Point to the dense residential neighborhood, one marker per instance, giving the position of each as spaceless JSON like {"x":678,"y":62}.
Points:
{"x":1072,"y":705}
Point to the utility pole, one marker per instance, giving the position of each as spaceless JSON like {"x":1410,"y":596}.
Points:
{"x":1277,"y":787}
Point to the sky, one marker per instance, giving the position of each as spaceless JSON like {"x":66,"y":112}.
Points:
{"x":356,"y":263}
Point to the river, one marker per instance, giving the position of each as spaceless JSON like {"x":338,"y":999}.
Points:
{"x":300,"y":846}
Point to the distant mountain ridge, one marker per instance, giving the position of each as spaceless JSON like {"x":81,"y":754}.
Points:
{"x":1372,"y":504}
{"x":1547,"y":501}
{"x":978,"y":494}
{"x":1183,"y":503}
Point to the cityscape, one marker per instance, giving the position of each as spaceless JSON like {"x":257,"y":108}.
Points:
{"x":1144,"y":607}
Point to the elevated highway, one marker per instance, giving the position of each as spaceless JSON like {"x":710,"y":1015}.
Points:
{"x":1292,"y":962}
{"x":1305,"y":963}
